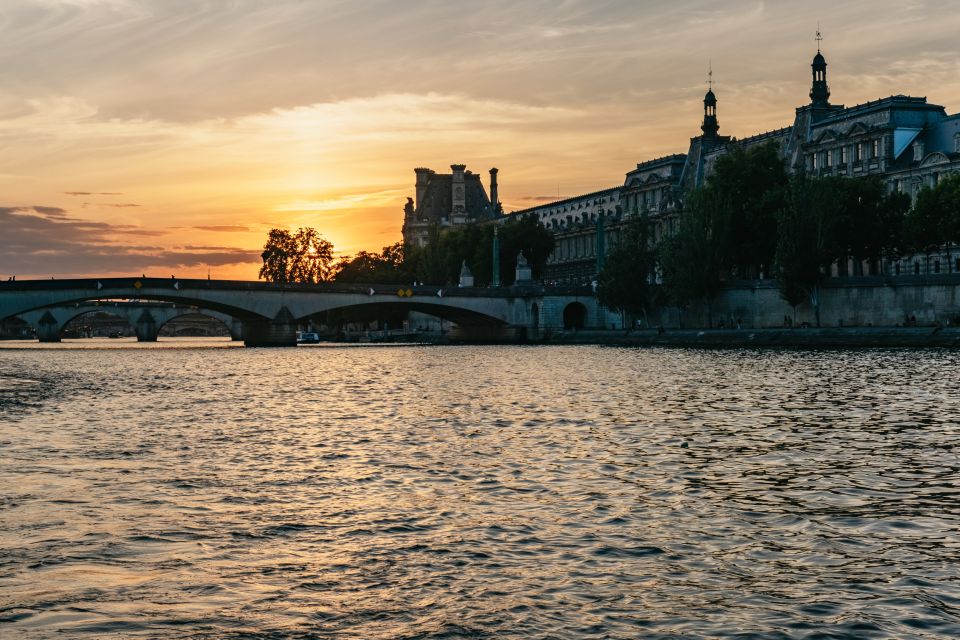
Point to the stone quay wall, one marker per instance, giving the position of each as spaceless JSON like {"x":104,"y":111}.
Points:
{"x":877,"y":301}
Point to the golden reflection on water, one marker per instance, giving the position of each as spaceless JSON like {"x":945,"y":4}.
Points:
{"x":535,"y":492}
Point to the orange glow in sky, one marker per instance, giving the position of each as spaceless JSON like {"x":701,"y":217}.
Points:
{"x":169,"y":136}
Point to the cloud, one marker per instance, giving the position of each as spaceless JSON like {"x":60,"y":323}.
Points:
{"x":91,"y":193}
{"x":542,"y":198}
{"x":228,"y":228}
{"x":38,"y":245}
{"x":50,"y":212}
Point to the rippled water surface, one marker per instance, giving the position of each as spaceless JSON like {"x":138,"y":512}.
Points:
{"x":197,"y":490}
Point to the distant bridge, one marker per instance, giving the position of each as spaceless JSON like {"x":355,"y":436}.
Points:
{"x":270,"y":313}
{"x":146,"y":318}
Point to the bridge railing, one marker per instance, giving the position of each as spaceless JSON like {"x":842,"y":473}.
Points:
{"x":180,"y":284}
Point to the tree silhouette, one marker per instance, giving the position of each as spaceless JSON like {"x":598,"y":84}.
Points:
{"x":302,"y":257}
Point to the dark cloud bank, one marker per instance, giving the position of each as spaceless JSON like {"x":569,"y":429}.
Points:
{"x":46,"y":241}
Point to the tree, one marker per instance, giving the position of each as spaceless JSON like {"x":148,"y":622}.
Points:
{"x":935,"y":218}
{"x":440,"y":260}
{"x":624,"y":283}
{"x":868,"y":222}
{"x":304,"y":256}
{"x":806,"y":240}
{"x":748,"y":184}
{"x":388,"y":267}
{"x":693,"y":258}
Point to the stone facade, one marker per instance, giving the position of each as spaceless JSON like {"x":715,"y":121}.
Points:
{"x":447,"y":201}
{"x":907,"y":141}
{"x":844,"y":302}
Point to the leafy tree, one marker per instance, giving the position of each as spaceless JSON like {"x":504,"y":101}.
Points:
{"x":935,"y":218}
{"x":748,"y":185}
{"x":304,"y":256}
{"x":868,"y":221}
{"x":693,"y":258}
{"x":807,"y":239}
{"x":440,"y":260}
{"x":623,"y":284}
{"x":388,"y":267}
{"x":527,"y":235}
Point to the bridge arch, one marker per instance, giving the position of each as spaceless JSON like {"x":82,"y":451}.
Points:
{"x":575,"y":316}
{"x":145,"y":318}
{"x":460,"y":316}
{"x":228,"y":322}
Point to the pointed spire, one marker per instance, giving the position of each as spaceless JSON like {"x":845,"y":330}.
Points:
{"x":819,"y":92}
{"x":710,"y":125}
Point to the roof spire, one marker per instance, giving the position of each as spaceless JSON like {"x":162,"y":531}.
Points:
{"x":710,"y":124}
{"x":819,"y":92}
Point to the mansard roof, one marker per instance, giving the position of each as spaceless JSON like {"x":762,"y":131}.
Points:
{"x":661,"y":161}
{"x":883,"y":104}
{"x":766,"y":135}
{"x":593,"y":195}
{"x":437,"y":201}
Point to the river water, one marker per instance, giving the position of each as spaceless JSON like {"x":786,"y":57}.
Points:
{"x":195,"y":489}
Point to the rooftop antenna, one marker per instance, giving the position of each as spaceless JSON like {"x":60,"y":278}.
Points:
{"x":819,"y":37}
{"x":710,"y":76}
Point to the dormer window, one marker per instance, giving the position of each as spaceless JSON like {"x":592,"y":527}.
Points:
{"x":918,"y":151}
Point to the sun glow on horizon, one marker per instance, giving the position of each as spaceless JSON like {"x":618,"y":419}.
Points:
{"x":127,"y":154}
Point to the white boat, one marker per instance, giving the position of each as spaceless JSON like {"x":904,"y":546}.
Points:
{"x":307,"y":337}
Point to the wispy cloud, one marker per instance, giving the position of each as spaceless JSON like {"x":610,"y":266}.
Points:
{"x":221,"y":114}
{"x":228,"y":228}
{"x":38,"y":243}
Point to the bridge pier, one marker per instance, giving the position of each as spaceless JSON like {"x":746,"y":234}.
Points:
{"x":48,"y":328}
{"x":487,"y":333}
{"x":236,"y":330}
{"x":279,"y":332}
{"x":146,"y":327}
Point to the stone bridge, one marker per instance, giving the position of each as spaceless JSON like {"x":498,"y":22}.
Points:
{"x":146,"y":318}
{"x":270,"y":313}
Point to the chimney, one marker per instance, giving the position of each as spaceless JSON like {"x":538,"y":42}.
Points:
{"x":494,"y":197}
{"x":423,"y":176}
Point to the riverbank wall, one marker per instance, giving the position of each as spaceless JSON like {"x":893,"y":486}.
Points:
{"x":833,"y":337}
{"x":873,"y":301}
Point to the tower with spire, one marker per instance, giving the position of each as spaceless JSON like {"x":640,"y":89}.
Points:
{"x":819,"y":92}
{"x":710,"y":126}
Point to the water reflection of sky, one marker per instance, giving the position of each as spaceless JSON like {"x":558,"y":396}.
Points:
{"x":563,"y":492}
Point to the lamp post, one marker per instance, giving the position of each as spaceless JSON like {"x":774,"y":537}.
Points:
{"x":601,"y":241}
{"x":496,"y":257}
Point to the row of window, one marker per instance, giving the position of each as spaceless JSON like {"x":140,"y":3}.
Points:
{"x":580,"y":205}
{"x":858,"y":152}
{"x":649,"y":199}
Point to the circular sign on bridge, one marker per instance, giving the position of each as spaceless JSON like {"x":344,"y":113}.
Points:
{"x":137,"y":284}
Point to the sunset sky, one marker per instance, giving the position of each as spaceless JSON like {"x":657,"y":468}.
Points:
{"x":168,"y":136}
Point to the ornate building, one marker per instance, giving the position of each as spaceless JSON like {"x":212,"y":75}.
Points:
{"x":446,"y":201}
{"x":906,"y":140}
